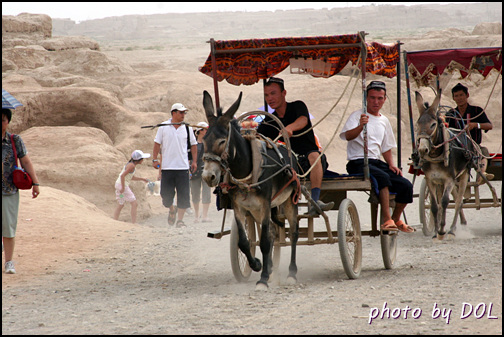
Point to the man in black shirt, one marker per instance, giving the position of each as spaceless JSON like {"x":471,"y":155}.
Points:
{"x":472,"y":116}
{"x":296,"y":119}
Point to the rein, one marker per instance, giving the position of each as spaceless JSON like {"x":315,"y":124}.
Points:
{"x":242,"y":183}
{"x":436,"y":132}
{"x":449,"y":140}
{"x":432,"y":145}
{"x":295,"y":196}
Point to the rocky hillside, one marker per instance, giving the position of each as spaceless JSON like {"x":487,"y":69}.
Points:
{"x":381,"y":20}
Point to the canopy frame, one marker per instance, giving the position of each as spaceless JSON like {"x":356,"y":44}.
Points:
{"x":362,"y":49}
{"x":427,"y":68}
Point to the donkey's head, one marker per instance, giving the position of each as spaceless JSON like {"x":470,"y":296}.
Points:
{"x":427,"y":124}
{"x":216,"y":139}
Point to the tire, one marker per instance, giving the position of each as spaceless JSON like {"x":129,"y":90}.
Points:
{"x":349,"y":238}
{"x":426,"y":217}
{"x":239,"y":263}
{"x":389,"y":248}
{"x":388,"y":242}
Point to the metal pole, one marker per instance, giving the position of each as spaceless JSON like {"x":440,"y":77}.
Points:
{"x":399,"y":120}
{"x":399,"y":143}
{"x":287,"y":48}
{"x":408,"y":94}
{"x":264,"y":98}
{"x":214,"y":74}
{"x":364,"y":102}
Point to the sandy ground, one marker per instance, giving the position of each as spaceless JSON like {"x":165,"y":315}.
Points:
{"x":80,"y":272}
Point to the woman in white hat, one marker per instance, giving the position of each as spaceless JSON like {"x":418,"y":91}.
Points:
{"x":199,"y":189}
{"x":123,"y":191}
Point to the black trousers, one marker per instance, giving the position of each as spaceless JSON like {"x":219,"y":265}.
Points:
{"x":385,"y":177}
{"x":178,"y":180}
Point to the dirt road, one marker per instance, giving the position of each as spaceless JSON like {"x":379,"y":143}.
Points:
{"x":150,"y":278}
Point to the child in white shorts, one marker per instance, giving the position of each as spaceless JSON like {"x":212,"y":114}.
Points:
{"x":123,"y":191}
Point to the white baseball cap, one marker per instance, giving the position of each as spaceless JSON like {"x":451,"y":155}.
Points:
{"x":137,"y":155}
{"x":178,"y":107}
{"x":201,"y":125}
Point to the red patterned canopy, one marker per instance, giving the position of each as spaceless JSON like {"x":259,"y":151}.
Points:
{"x":249,"y":66}
{"x":424,"y":66}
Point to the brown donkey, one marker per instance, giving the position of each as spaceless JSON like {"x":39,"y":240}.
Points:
{"x":446,"y":159}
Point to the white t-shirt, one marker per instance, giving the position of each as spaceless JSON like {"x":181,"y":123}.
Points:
{"x":173,"y":143}
{"x":380,"y":136}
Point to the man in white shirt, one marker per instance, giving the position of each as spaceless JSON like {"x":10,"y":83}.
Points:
{"x":381,"y":141}
{"x":173,"y":142}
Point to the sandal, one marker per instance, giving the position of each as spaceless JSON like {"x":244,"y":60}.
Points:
{"x":404,"y":227}
{"x":180,"y":223}
{"x":389,"y":225}
{"x":172,"y":216}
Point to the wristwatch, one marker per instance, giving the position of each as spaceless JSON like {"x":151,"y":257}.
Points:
{"x":155,"y":160}
{"x":479,"y":126}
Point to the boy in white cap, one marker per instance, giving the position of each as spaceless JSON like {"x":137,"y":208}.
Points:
{"x":123,"y":191}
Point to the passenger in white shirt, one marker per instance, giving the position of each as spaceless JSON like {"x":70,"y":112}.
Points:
{"x":381,"y":141}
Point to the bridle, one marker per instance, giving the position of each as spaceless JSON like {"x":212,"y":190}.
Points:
{"x":222,"y":159}
{"x":439,"y":133}
{"x":432,"y":146}
{"x":215,"y":158}
{"x":244,"y":182}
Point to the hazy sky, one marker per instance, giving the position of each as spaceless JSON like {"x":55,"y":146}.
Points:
{"x":80,"y":11}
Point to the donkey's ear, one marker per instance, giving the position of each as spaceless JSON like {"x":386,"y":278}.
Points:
{"x":435,"y":105}
{"x":420,"y":102}
{"x":233,"y":108}
{"x":209,"y":108}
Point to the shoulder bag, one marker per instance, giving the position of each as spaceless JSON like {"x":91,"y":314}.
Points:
{"x":189,"y":153}
{"x":20,"y":177}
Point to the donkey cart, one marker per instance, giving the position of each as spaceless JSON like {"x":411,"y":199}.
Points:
{"x":248,"y":61}
{"x":348,"y":234}
{"x":427,"y":68}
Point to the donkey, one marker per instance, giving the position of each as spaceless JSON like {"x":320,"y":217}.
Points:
{"x":442,"y":179}
{"x":227,"y":150}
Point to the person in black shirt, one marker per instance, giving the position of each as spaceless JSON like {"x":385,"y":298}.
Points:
{"x":296,"y":119}
{"x":472,"y":116}
{"x":478,"y":119}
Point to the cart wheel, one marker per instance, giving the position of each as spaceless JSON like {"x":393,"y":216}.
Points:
{"x":426,"y":217}
{"x":388,"y":242}
{"x":239,"y":263}
{"x":349,"y":238}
